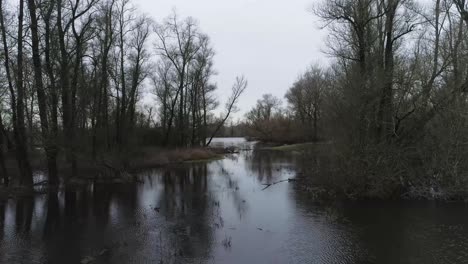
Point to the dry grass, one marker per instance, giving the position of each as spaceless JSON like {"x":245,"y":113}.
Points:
{"x":154,"y":157}
{"x":149,"y":157}
{"x":301,"y":147}
{"x":111,"y":167}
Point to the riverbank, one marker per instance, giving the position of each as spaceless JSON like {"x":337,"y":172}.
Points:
{"x":328,"y":172}
{"x":217,"y":212}
{"x":146,"y":157}
{"x":298,"y":147}
{"x":156,"y":157}
{"x":108,"y":168}
{"x":113,"y":165}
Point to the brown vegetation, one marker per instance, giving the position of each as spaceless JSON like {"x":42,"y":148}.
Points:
{"x":73,"y":77}
{"x":393,"y":102}
{"x":153,"y":157}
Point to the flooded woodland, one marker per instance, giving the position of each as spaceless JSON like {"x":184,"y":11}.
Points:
{"x":248,"y":131}
{"x":220,"y":212}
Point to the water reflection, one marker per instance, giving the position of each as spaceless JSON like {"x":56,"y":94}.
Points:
{"x":23,"y":216}
{"x":414,"y":232}
{"x":52,"y":221}
{"x":184,"y":201}
{"x":216,"y":212}
{"x":270,"y":166}
{"x":2,"y":218}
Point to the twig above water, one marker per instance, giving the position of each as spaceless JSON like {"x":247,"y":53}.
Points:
{"x":267,"y":185}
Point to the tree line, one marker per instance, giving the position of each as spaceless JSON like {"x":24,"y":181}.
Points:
{"x":392,"y":101}
{"x":75,"y":72}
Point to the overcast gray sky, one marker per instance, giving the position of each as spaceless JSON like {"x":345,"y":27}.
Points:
{"x":269,"y":41}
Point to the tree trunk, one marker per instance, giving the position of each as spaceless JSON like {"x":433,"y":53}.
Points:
{"x":3,"y":169}
{"x":49,"y":148}
{"x":385,"y":124}
{"x":22,"y":154}
{"x":53,"y":133}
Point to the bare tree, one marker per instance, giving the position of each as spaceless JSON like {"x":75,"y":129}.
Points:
{"x":21,"y":140}
{"x":306,"y":98}
{"x":237,"y":89}
{"x":138,"y":59}
{"x":106,"y":39}
{"x":462,"y":6}
{"x":6,"y":62}
{"x":179,"y":42}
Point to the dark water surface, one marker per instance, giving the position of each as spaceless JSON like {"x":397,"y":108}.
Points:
{"x":217,"y":212}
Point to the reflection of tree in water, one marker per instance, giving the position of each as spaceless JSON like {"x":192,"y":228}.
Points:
{"x":310,"y":164}
{"x":3,"y":242}
{"x":315,"y":166}
{"x":22,"y":211}
{"x":423,"y":232}
{"x":233,"y":157}
{"x":326,"y":226}
{"x":186,"y":203}
{"x":52,"y":222}
{"x":101,"y":200}
{"x":268,"y":165}
{"x":55,"y":232}
{"x":2,"y":219}
{"x":88,"y":219}
{"x":23,"y":217}
{"x":233,"y":187}
{"x":76,"y":218}
{"x":416,"y":232}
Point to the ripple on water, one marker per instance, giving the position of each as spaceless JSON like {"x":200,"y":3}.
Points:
{"x":216,"y":212}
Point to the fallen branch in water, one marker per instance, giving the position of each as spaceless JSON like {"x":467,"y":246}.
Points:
{"x":114,"y":169}
{"x":267,"y":185}
{"x":44,"y":182}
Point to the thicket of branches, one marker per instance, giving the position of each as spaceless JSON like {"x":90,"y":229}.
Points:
{"x":393,"y":101}
{"x":74,"y":74}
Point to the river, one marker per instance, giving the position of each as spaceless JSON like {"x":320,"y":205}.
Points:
{"x":220,"y":212}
